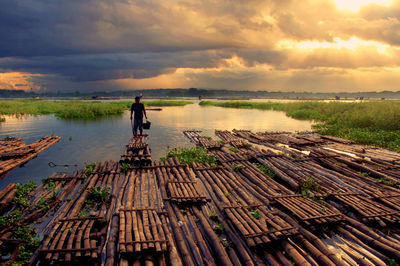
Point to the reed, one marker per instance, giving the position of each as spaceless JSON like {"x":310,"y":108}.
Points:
{"x":74,"y":109}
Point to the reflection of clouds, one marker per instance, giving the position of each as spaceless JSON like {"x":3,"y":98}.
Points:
{"x":210,"y":117}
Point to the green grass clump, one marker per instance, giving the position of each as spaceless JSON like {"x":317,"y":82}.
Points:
{"x":28,"y":234}
{"x":125,"y":167}
{"x":99,"y":195}
{"x":191,"y":155}
{"x":20,"y":199}
{"x":372,"y":122}
{"x":268,"y":171}
{"x":308,"y":185}
{"x":391,"y":183}
{"x":237,"y":167}
{"x":218,"y":228}
{"x":89,"y":168}
{"x":234,"y":149}
{"x":213,"y":215}
{"x":74,"y":109}
{"x":255,"y":214}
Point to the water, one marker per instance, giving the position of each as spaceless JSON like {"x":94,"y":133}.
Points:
{"x":105,"y":139}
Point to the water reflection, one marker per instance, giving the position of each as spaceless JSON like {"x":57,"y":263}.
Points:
{"x":105,"y":139}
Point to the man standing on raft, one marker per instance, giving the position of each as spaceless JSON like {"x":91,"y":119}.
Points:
{"x":139,"y":110}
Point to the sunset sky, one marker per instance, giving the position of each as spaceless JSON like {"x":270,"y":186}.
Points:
{"x":275,"y":45}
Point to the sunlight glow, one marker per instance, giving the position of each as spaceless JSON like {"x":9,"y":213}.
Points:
{"x":355,"y":5}
{"x":18,"y":81}
{"x":351,"y":44}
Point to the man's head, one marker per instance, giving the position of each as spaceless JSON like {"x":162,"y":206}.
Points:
{"x":137,"y":99}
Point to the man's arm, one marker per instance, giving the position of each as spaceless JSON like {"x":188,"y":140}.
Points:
{"x":144,"y":112}
{"x":131,"y":111}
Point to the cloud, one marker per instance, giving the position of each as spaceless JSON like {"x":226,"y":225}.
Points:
{"x":128,"y":43}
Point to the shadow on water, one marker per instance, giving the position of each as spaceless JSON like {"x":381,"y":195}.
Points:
{"x":85,"y":141}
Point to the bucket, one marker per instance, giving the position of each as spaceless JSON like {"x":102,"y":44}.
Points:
{"x":147,"y":125}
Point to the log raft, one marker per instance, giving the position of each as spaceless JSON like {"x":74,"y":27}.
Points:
{"x":274,"y":198}
{"x":15,"y":152}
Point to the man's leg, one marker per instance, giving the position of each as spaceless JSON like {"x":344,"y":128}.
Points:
{"x":135,"y":126}
{"x":141,"y":127}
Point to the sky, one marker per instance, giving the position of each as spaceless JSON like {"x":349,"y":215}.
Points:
{"x":274,"y":45}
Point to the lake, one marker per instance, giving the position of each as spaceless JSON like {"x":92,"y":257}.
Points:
{"x":105,"y":139}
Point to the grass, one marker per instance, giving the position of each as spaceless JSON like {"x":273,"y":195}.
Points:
{"x":74,"y":109}
{"x":268,"y":171}
{"x":372,"y":122}
{"x":191,"y":155}
{"x":234,"y":149}
{"x":237,"y":167}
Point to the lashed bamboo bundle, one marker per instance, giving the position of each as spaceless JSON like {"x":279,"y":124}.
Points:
{"x":364,"y":249}
{"x":257,"y":224}
{"x":193,"y":135}
{"x":41,"y":203}
{"x":147,"y":233}
{"x":11,"y":144}
{"x":78,"y":230}
{"x":306,"y":210}
{"x":137,"y":153}
{"x":178,"y":182}
{"x":337,"y":180}
{"x":285,"y":138}
{"x":196,"y":137}
{"x":28,"y":152}
{"x":143,"y":225}
{"x":345,"y":189}
{"x":208,"y":143}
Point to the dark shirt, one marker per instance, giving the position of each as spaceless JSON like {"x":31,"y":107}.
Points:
{"x":138,"y":108}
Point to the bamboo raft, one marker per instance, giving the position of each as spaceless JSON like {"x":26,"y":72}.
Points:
{"x":137,"y":152}
{"x":197,"y":138}
{"x":246,"y":210}
{"x":78,"y":231}
{"x":15,"y":152}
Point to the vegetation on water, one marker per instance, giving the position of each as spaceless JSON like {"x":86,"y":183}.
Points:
{"x":75,"y":109}
{"x":266,"y":170}
{"x":89,"y":168}
{"x":255,"y":214}
{"x":191,"y":155}
{"x":391,"y":183}
{"x":234,"y":149}
{"x":370,"y":122}
{"x":237,"y":167}
{"x":218,"y":228}
{"x":309,"y":185}
{"x":20,"y":230}
{"x":225,"y":243}
{"x":27,"y":234}
{"x":308,"y":188}
{"x":23,"y":190}
{"x":125,"y":167}
{"x":98,"y":195}
{"x":213,"y":215}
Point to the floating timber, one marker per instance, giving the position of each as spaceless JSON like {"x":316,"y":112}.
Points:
{"x":271,"y":199}
{"x":137,"y":152}
{"x":14,"y":152}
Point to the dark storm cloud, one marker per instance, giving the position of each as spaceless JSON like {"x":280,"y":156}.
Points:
{"x":112,"y":66}
{"x":100,"y":40}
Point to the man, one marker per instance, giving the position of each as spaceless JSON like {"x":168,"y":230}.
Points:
{"x":139,"y":110}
